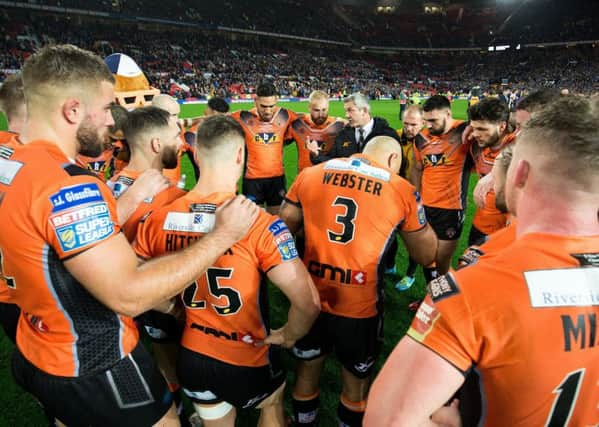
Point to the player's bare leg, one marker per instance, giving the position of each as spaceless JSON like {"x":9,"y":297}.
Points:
{"x":306,"y":391}
{"x":272,"y":412}
{"x":170,"y":419}
{"x":217,"y":415}
{"x":352,"y":402}
{"x":445,"y":252}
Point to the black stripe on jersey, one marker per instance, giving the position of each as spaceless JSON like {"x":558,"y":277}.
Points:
{"x":97,"y":328}
{"x":75,"y":170}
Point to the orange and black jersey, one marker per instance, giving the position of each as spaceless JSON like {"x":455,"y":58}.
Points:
{"x":488,"y":219}
{"x":446,"y":167}
{"x":352,"y":208}
{"x":226,"y":308}
{"x":303,"y":128}
{"x":525,"y":319}
{"x":53,"y":210}
{"x":264,"y":142}
{"x":121,"y":182}
{"x":100,"y":165}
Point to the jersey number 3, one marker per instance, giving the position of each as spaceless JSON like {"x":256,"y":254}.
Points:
{"x":346,"y":220}
{"x":231,"y":295}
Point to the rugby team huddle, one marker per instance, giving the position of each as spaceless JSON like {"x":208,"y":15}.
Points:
{"x":507,"y":338}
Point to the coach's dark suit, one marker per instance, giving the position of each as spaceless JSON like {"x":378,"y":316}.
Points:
{"x":346,"y":144}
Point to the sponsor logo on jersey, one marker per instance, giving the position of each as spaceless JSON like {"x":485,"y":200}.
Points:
{"x":8,"y":170}
{"x":333,"y":273}
{"x":425,"y":318}
{"x":277,"y":227}
{"x":82,"y":226}
{"x":435,"y":160}
{"x":442,"y":287}
{"x":75,"y":196}
{"x":189,"y":222}
{"x":266,"y":138}
{"x":285,"y":243}
{"x":358,"y":166}
{"x":565,"y":287}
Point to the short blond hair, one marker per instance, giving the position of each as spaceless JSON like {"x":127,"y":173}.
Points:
{"x":59,"y":69}
{"x":318,"y":94}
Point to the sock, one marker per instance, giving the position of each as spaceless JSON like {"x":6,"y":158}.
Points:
{"x":430,"y":272}
{"x":305,"y":409}
{"x":350,"y":414}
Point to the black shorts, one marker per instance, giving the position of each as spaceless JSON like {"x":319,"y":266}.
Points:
{"x":447,"y":223}
{"x":9,"y":318}
{"x":269,"y":190}
{"x":160,"y":327}
{"x":357,"y":342}
{"x":130,"y":393}
{"x":477,"y":237}
{"x":207,"y":380}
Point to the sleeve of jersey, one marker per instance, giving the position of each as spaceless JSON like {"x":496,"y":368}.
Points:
{"x":275,"y":244}
{"x":141,"y":245}
{"x":415,"y":217}
{"x":444,"y":324}
{"x":78,"y":216}
{"x":292,"y":195}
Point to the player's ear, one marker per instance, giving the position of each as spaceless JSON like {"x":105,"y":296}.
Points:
{"x":521,"y":173}
{"x":155,"y":144}
{"x":240,"y":155}
{"x":73,"y":110}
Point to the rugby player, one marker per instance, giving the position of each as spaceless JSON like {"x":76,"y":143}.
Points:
{"x":266,"y":129}
{"x":440,"y":174}
{"x":227,"y":360}
{"x":315,"y":132}
{"x":351,"y":209}
{"x":491,"y":131}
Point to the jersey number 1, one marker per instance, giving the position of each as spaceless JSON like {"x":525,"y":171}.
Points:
{"x":567,"y":392}
{"x":346,"y":220}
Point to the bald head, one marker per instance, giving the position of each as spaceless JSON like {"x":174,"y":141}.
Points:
{"x":167,"y":103}
{"x":386,"y":151}
{"x":413,"y":121}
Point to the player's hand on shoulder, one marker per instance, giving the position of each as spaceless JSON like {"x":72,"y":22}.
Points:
{"x":312,"y":146}
{"x":483,"y":186}
{"x":235,"y":217}
{"x":467,"y":135}
{"x":448,"y":416}
{"x":149,"y":183}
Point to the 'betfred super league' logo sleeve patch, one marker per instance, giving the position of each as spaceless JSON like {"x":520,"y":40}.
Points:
{"x":80,"y":216}
{"x":283,"y":240}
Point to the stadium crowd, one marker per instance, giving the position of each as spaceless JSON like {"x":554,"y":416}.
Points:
{"x":211,"y":64}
